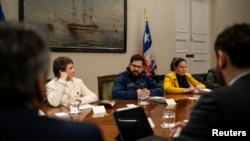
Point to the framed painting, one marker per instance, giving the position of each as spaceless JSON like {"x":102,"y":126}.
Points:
{"x":79,"y":25}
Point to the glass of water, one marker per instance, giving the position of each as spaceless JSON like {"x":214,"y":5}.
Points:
{"x":143,"y":100}
{"x":168,"y":119}
{"x":74,"y":107}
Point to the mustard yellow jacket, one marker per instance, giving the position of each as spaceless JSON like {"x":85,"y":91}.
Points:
{"x":171,"y":84}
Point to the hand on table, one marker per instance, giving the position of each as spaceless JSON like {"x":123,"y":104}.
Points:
{"x":143,"y":92}
{"x":176,"y":129}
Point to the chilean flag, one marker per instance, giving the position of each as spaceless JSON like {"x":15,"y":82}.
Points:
{"x":2,"y":18}
{"x":147,"y":53}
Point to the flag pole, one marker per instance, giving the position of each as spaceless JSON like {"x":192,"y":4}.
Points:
{"x":145,"y":15}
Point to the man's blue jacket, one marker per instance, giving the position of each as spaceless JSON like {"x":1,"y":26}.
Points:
{"x":125,"y":85}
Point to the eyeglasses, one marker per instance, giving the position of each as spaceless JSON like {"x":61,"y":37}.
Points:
{"x":135,"y":66}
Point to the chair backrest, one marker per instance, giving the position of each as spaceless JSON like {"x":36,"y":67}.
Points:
{"x":105,"y":84}
{"x":201,"y":77}
{"x":159,"y":79}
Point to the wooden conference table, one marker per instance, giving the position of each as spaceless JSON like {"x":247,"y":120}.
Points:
{"x":107,"y":124}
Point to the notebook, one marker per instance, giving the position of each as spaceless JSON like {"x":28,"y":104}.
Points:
{"x":133,"y":125}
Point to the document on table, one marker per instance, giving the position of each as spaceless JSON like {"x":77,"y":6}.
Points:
{"x":85,"y":106}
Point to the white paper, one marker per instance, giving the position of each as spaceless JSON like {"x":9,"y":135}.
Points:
{"x":99,"y":109}
{"x":95,"y":115}
{"x":131,"y":105}
{"x":156,"y":97}
{"x":170,"y":101}
{"x":170,"y":106}
{"x":85,"y":106}
{"x":61,"y":114}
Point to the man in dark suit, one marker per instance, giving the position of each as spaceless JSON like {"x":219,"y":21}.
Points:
{"x":224,"y":111}
{"x":24,"y":59}
{"x":213,"y":80}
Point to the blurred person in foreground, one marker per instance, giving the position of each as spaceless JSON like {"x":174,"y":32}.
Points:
{"x":65,"y":88}
{"x":24,"y":59}
{"x":134,"y":81}
{"x":179,"y":80}
{"x":223,"y":112}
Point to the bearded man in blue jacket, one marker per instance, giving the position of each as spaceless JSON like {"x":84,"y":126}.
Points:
{"x":134,"y":81}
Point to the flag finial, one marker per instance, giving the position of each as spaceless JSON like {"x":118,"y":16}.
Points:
{"x":145,"y":14}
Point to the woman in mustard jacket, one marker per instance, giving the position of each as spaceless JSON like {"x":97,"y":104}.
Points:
{"x":178,"y":80}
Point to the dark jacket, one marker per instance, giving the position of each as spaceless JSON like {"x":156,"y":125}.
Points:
{"x":212,"y":79}
{"x":24,"y":123}
{"x":125,"y":85}
{"x":223,"y":109}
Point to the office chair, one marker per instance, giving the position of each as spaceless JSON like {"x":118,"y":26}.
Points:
{"x":105,"y":84}
{"x":159,"y":79}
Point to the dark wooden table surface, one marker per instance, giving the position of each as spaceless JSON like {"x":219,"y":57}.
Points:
{"x":107,"y":124}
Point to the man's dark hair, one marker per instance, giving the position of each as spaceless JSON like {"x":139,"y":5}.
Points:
{"x":175,"y":62}
{"x":235,"y":41}
{"x":60,"y":63}
{"x":24,"y":57}
{"x":137,"y":57}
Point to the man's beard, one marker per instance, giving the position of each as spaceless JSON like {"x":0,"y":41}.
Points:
{"x":221,"y":78}
{"x":134,"y":74}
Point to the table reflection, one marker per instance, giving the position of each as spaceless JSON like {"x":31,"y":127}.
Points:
{"x":107,"y":125}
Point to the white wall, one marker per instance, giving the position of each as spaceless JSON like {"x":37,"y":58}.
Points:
{"x":10,"y":9}
{"x":162,"y":25}
{"x":225,"y":13}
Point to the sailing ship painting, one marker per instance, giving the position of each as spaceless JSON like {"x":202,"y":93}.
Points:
{"x":80,"y":25}
{"x":88,"y":19}
{"x":54,"y":20}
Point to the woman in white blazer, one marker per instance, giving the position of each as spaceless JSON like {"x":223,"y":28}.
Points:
{"x":65,"y":88}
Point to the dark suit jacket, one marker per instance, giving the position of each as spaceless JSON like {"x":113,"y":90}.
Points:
{"x":212,"y":79}
{"x":25,"y":124}
{"x":225,"y":109}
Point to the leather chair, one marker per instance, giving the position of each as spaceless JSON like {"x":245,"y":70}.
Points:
{"x":201,"y":77}
{"x":159,"y":79}
{"x":105,"y":84}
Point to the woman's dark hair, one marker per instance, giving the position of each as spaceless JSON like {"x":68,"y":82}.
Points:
{"x":175,"y":62}
{"x":61,"y":63}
